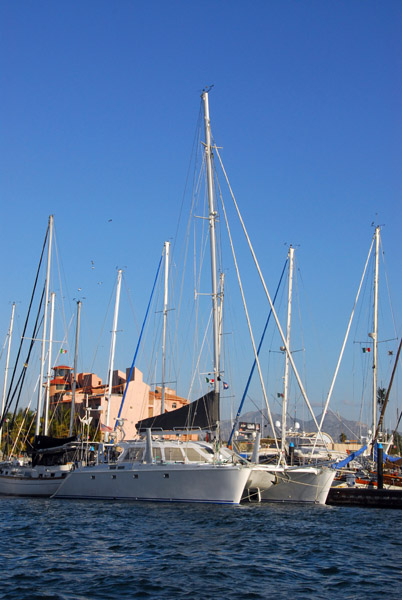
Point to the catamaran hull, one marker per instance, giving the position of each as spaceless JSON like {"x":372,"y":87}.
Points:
{"x":220,"y":484}
{"x":290,"y":484}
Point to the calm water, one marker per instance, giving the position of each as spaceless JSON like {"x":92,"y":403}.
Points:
{"x":79,"y":550}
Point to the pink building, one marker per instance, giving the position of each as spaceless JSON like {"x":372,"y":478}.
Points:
{"x":140,"y":401}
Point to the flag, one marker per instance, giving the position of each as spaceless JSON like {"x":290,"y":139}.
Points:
{"x":63,"y":351}
{"x":105,"y":428}
{"x":366,"y":349}
{"x":225,"y":385}
{"x":209,"y":380}
{"x":279,"y":395}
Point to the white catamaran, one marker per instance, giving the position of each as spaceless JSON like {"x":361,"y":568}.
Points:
{"x":154,"y":468}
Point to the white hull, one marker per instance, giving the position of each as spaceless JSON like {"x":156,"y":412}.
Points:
{"x":25,"y":481}
{"x":222,"y":484}
{"x":269,"y":483}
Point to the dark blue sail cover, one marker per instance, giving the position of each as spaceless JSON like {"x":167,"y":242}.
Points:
{"x":200,"y":414}
{"x":385,"y":455}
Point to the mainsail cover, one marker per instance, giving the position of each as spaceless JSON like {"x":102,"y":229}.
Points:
{"x":44,"y":442}
{"x":200,"y":414}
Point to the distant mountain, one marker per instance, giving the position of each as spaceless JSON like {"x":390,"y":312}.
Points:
{"x":333,"y":425}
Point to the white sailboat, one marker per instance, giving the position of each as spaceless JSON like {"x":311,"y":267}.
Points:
{"x":370,"y":467}
{"x":157,"y":469}
{"x":51,"y":458}
{"x":368,"y":459}
{"x":282,"y":482}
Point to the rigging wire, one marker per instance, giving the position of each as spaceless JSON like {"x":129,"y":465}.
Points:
{"x":60,"y":271}
{"x":388,"y":291}
{"x":102,"y":328}
{"x":255,"y":363}
{"x":21,"y":379}
{"x":343,"y":345}
{"x":269,"y":300}
{"x":138,"y":344}
{"x":248,"y":321}
{"x":184,"y":261}
{"x":8,"y":402}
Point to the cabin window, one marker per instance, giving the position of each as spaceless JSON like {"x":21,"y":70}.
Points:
{"x":194,"y":456}
{"x":156,"y":454}
{"x":173,"y":455}
{"x":134,"y":454}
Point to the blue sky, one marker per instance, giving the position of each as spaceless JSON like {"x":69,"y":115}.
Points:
{"x":99,"y":106}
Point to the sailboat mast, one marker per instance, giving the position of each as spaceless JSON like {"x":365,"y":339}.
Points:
{"x":165,"y":311}
{"x":212,"y":237}
{"x":42,"y":360}
{"x":112,"y":349}
{"x":77,"y":335}
{"x":374,"y":335}
{"x":286,"y":375}
{"x":10,"y":334}
{"x":49,"y":363}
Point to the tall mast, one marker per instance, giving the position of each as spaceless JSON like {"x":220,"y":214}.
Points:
{"x":286,"y":375}
{"x":10,"y":334}
{"x":374,"y":335}
{"x":212,"y":236}
{"x":165,"y":311}
{"x":112,"y":349}
{"x":49,"y":363}
{"x":42,"y":360}
{"x":77,"y":335}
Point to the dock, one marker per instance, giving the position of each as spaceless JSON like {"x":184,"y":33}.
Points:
{"x":370,"y":498}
